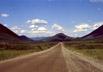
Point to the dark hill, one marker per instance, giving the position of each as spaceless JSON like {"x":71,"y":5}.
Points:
{"x":58,"y":38}
{"x":6,"y":35}
{"x":5,"y":30}
{"x":96,"y":34}
{"x":25,"y":37}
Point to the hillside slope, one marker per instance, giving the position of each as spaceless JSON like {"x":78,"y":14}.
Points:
{"x":58,"y":38}
{"x":6,"y":35}
{"x":96,"y":34}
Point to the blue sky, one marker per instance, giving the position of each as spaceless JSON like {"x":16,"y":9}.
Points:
{"x":47,"y":17}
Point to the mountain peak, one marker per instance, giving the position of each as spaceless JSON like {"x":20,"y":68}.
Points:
{"x":25,"y":37}
{"x":60,"y":34}
{"x":59,"y":37}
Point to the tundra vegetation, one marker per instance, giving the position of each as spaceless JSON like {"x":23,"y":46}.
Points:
{"x":8,"y":50}
{"x":89,"y":48}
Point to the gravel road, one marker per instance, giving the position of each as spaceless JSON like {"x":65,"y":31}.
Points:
{"x":55,"y":59}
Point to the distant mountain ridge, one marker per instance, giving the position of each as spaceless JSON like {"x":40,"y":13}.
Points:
{"x":25,"y":37}
{"x":6,"y":35}
{"x":58,"y":38}
{"x":39,"y":38}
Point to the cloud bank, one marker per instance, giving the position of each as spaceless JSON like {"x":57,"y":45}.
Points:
{"x":37,"y":21}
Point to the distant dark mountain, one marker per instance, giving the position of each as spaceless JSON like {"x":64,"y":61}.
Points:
{"x":39,"y":38}
{"x":58,"y":38}
{"x":25,"y":37}
{"x":96,"y":34}
{"x":6,"y":35}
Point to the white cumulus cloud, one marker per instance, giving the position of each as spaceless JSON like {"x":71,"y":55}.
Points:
{"x":23,"y":31}
{"x":42,"y":29}
{"x":82,"y":27}
{"x":4,"y":15}
{"x":15,"y":28}
{"x":32,"y":31}
{"x":57,"y":27}
{"x":5,"y":25}
{"x":37,"y":21}
{"x":28,"y":21}
{"x":96,"y":25}
{"x":33,"y":26}
{"x":87,"y":27}
{"x":18,"y":30}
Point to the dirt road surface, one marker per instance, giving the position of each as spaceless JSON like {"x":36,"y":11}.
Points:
{"x":55,"y":59}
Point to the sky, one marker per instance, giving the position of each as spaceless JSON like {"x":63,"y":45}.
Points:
{"x":37,"y":18}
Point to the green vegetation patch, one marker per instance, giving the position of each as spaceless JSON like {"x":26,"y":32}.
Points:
{"x":95,"y":53}
{"x":7,"y":54}
{"x":8,"y":51}
{"x":89,"y":48}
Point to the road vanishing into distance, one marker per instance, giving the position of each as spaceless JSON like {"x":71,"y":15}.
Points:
{"x":55,"y":59}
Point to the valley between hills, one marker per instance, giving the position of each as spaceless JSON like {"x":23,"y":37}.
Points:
{"x":58,"y":53}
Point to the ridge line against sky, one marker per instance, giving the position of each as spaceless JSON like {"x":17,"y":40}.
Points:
{"x":36,"y":18}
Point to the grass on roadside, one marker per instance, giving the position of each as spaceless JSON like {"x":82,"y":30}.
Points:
{"x":7,"y":54}
{"x":8,"y":51}
{"x":95,"y":53}
{"x":91,"y":49}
